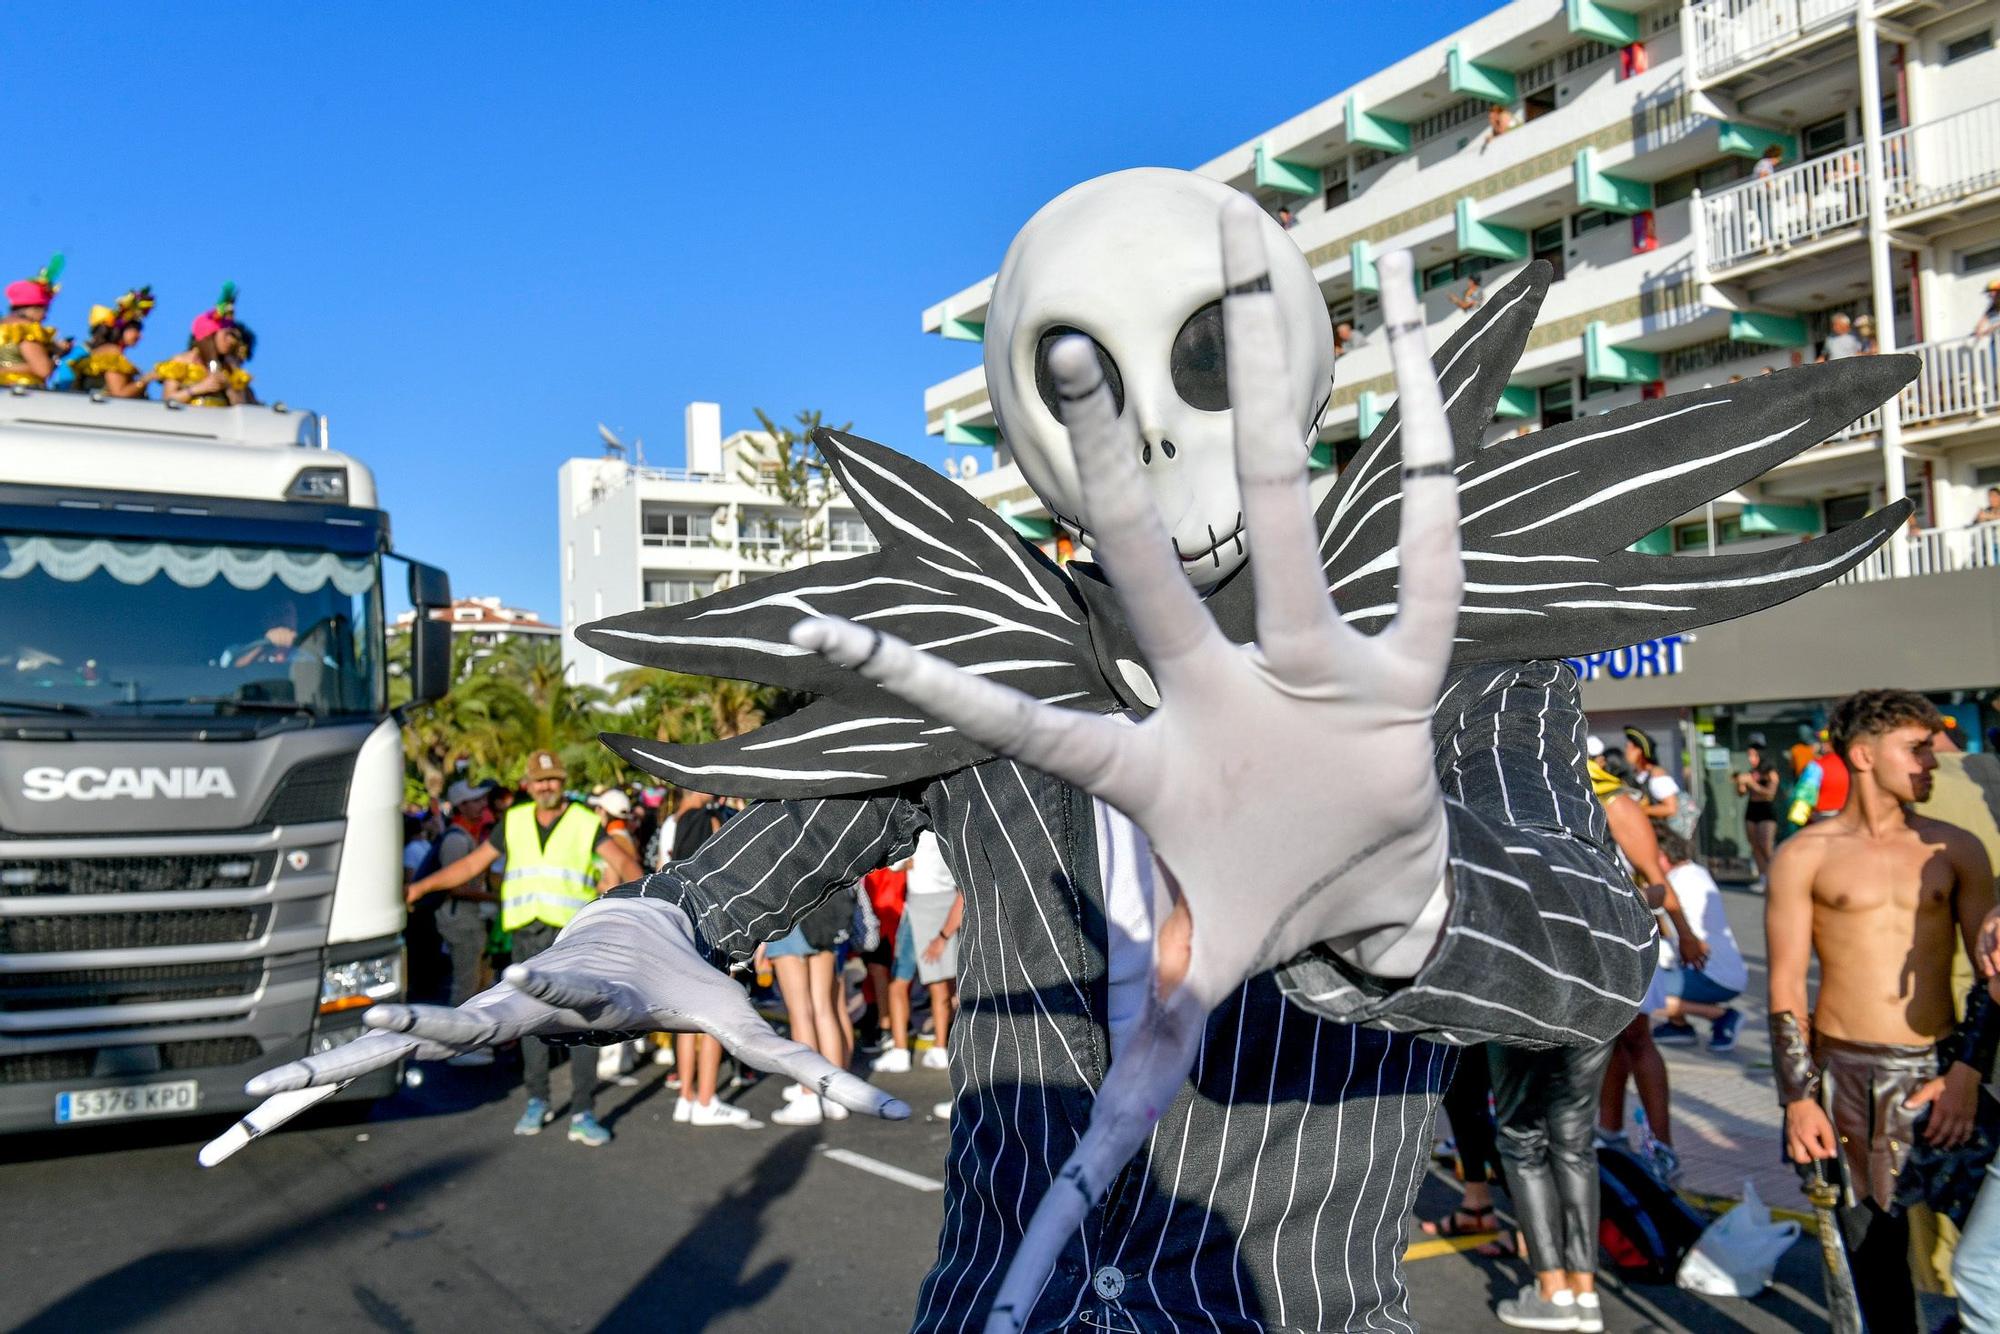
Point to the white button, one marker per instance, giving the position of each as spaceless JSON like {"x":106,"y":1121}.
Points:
{"x":1110,"y":1284}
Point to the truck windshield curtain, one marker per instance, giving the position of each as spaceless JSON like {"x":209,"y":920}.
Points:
{"x":124,"y":629}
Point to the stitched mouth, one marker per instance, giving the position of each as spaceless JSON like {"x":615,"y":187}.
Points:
{"x":1188,"y":558}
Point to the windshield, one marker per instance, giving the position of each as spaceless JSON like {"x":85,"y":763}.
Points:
{"x":123,"y":629}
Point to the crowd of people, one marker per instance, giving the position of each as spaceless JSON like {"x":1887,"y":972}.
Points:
{"x":1880,"y":1078}
{"x":493,"y":871}
{"x":208,"y":373}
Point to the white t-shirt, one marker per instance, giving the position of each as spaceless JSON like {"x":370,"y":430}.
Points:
{"x":929,"y":872}
{"x":1702,"y":905}
{"x":1660,"y":786}
{"x":1130,"y":878}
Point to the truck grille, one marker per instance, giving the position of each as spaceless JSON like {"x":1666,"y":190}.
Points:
{"x":133,"y":875}
{"x":202,"y":1054}
{"x":314,"y":789}
{"x":78,"y":987}
{"x":130,"y":930}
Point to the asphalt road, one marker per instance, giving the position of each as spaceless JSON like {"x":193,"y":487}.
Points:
{"x":429,"y":1215}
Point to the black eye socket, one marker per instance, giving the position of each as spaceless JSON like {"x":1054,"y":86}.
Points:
{"x":1199,"y":363}
{"x":1045,"y":380}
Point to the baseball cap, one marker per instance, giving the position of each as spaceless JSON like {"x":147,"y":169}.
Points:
{"x":1595,"y":745}
{"x":1757,"y":740}
{"x":613,"y":803}
{"x":461,"y":792}
{"x":544,"y":764}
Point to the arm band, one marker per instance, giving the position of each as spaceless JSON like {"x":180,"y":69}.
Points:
{"x":1791,"y":1059}
{"x":1977,"y":1037}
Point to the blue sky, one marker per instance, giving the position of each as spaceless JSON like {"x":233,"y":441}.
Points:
{"x":468,"y":234}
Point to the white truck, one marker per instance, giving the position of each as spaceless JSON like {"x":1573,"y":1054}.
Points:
{"x":201,"y":778}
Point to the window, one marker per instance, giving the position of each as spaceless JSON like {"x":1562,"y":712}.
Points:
{"x":1971,"y":261}
{"x":1694,"y":536}
{"x":1843,"y":510}
{"x":1590,"y":219}
{"x":1824,"y":136}
{"x":1368,"y":157}
{"x":1547,"y":243}
{"x":1585,"y":54}
{"x":1558,"y":404}
{"x":770,"y":534}
{"x":1599,"y":388}
{"x":1437,"y":275}
{"x":672,"y":592}
{"x":678,"y":528}
{"x":848,"y":533}
{"x":596,"y":540}
{"x":1969,"y":45}
{"x":1461,"y":112}
{"x":1333,"y":178}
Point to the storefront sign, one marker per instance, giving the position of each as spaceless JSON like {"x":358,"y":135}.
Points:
{"x":1651,"y":657}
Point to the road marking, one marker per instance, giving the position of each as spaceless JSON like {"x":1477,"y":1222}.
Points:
{"x":884,"y":1170}
{"x":1432,"y":1247}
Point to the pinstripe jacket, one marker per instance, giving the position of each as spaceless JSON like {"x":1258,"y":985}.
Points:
{"x":1273,"y":1194}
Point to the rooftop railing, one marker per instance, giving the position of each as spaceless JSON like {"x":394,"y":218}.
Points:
{"x":1723,"y":35}
{"x":1923,"y":166}
{"x":1934,"y":551}
{"x":1960,"y":378}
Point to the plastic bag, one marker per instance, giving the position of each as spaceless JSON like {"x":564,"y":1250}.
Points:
{"x":1738,"y":1251}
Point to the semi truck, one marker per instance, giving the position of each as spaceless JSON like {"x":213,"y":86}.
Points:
{"x":201,"y":776}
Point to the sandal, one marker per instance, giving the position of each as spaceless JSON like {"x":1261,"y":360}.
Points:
{"x":1456,"y":1224}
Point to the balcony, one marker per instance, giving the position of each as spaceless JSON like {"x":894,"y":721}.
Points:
{"x":1959,"y":383}
{"x":1824,"y":202}
{"x":1725,"y":36}
{"x":1934,"y":551}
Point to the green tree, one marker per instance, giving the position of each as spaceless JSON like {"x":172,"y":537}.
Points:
{"x":789,"y":466}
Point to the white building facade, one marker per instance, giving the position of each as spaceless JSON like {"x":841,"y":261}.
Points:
{"x":634,"y":537}
{"x":1630,"y":138}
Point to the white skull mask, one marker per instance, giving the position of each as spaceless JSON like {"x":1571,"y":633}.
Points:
{"x":1133,"y":260}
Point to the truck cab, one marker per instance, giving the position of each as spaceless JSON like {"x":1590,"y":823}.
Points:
{"x":201,"y":777}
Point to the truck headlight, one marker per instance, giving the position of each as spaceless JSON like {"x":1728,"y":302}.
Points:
{"x":328,"y":484}
{"x":360,"y":982}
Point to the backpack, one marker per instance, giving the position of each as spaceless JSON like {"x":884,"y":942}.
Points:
{"x":433,"y":858}
{"x":1645,"y":1229}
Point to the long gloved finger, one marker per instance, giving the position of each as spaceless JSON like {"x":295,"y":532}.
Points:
{"x":1295,"y":620}
{"x":462,"y":1027}
{"x":1136,"y":1093}
{"x":1087,"y":749}
{"x":1431,"y":580}
{"x":262,"y":1119}
{"x":1166,"y":616}
{"x":737,"y":1026}
{"x":351,"y":1060}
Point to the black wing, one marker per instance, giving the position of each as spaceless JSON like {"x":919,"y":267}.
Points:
{"x":950,"y":577}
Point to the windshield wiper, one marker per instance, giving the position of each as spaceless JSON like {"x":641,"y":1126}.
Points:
{"x":47,"y":706}
{"x":232,"y":702}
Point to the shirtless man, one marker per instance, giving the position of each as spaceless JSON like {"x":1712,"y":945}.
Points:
{"x":1877,"y":891}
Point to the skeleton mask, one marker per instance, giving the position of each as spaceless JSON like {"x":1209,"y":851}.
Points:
{"x":1133,"y":260}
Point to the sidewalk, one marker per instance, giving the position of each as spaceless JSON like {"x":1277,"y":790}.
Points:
{"x":1726,"y":1123}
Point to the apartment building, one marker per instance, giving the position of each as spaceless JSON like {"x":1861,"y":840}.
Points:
{"x":633,"y":536}
{"x":486,"y":621}
{"x":1621,"y":142}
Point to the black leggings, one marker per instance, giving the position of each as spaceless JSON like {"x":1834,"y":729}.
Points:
{"x":1546,"y":1106}
{"x":1471,"y":1119}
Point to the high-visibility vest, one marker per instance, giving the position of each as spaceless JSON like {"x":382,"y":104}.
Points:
{"x":548,"y":882}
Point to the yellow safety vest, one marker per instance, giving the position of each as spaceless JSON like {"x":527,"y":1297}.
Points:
{"x":548,"y":882}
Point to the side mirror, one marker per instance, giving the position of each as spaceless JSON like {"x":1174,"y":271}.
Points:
{"x":430,"y":658}
{"x":429,"y":586}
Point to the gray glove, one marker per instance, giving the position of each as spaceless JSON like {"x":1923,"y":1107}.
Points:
{"x":623,"y":966}
{"x":1323,"y":731}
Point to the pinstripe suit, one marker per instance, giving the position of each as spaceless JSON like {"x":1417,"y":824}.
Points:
{"x":1272,"y":1194}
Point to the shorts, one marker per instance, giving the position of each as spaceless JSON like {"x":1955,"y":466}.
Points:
{"x":884,"y":954}
{"x":923,"y":918}
{"x":1696,"y":987}
{"x":791,"y":945}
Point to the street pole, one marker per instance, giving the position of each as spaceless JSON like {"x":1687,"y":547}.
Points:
{"x":1881,"y":280}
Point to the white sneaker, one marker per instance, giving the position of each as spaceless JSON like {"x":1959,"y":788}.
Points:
{"x":793,"y":1092}
{"x":1589,"y":1313}
{"x":683,"y":1111}
{"x":720,"y":1113}
{"x":895,"y":1061}
{"x":802,"y":1112}
{"x":476,"y":1057}
{"x":943,"y":1110}
{"x":937,"y":1058}
{"x":664,"y":1055}
{"x":831,"y":1110}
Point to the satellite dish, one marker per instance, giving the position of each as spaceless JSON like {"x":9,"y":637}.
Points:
{"x":612,"y":444}
{"x":968,"y":467}
{"x":951,"y":469}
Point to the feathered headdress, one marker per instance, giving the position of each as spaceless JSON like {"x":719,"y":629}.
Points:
{"x":221,"y":316}
{"x":131,"y":308}
{"x":41,"y":289}
{"x":1547,"y":523}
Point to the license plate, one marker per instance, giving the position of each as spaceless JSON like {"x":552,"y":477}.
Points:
{"x":182,"y":1095}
